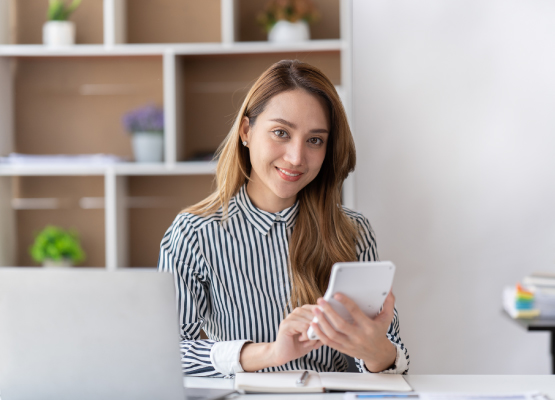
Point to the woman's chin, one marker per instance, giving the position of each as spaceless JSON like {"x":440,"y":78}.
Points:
{"x":287,"y":190}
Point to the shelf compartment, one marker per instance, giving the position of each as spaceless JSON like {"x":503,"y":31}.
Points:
{"x":327,"y":26}
{"x":173,"y":21}
{"x":153,"y":203}
{"x":67,"y":191}
{"x":214,"y":88}
{"x":75,"y":105}
{"x":30,"y":15}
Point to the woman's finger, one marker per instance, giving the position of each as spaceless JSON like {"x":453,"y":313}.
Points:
{"x":305,"y":311}
{"x":351,"y":306}
{"x":328,"y":328}
{"x":336,"y":320}
{"x":300,"y":317}
{"x":294,"y":327}
{"x":323,"y":338}
{"x":388,"y":309}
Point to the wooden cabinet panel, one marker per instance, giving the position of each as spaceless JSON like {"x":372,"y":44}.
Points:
{"x":75,"y":105}
{"x":173,"y":21}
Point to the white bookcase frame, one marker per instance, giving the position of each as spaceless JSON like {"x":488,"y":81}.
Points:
{"x":115,"y":176}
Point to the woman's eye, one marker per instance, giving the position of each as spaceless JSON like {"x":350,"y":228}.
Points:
{"x":280,"y":133}
{"x":315,"y":140}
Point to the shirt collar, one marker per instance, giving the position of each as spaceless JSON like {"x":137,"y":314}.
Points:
{"x":264,"y":220}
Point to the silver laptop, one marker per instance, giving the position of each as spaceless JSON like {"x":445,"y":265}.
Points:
{"x":87,"y":333}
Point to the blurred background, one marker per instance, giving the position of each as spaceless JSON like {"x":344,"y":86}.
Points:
{"x":455,"y":131}
{"x":110,"y":112}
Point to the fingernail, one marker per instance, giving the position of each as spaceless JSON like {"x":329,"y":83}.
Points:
{"x":321,"y":301}
{"x":337,"y":296}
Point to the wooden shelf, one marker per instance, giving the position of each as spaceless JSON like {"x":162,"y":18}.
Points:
{"x":82,"y":50}
{"x":197,"y":59}
{"x":119,"y":169}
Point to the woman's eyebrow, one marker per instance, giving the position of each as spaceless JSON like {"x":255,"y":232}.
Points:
{"x":293,"y":126}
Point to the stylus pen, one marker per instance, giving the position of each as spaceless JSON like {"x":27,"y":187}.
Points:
{"x":302,"y":380}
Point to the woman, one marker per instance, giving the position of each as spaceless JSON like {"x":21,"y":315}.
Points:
{"x":251,"y":260}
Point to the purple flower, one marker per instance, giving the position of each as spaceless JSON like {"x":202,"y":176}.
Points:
{"x":145,"y":119}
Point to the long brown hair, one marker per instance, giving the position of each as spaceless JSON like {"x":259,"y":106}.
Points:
{"x":323,"y":234}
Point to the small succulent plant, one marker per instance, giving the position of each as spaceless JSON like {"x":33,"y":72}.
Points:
{"x":58,"y":10}
{"x":57,"y":244}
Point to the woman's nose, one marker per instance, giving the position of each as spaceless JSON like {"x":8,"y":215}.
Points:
{"x":294,"y":154}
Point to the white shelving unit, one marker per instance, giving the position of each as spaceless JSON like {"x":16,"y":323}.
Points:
{"x":116,"y":176}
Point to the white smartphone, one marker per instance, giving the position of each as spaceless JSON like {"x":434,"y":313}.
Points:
{"x":366,"y":283}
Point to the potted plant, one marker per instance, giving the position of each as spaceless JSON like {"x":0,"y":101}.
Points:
{"x":287,"y":21}
{"x":58,"y":31}
{"x":56,"y":247}
{"x":146,"y":125}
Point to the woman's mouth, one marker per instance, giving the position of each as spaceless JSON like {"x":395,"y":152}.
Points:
{"x":289,"y":175}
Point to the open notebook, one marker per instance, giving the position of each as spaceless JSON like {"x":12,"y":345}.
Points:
{"x":284,"y":382}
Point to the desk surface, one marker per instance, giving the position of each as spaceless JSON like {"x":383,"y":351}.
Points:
{"x":420,"y":383}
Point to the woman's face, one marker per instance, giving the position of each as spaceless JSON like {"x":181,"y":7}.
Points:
{"x":287,"y":146}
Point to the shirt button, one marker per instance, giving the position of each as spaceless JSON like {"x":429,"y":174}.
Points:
{"x":278,"y":218}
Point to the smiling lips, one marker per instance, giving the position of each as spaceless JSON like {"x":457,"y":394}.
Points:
{"x":288,"y":174}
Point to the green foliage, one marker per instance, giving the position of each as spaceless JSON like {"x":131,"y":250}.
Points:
{"x":287,"y":10}
{"x":56,"y":243}
{"x":59,"y":11}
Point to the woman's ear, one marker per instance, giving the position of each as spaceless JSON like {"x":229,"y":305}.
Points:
{"x":245,"y":129}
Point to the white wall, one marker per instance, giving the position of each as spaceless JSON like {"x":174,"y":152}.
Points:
{"x":454,"y":118}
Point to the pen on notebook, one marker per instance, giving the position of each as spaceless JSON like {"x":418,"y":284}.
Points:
{"x":302,"y":380}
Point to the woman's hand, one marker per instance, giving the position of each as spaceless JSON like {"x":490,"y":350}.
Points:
{"x":365,"y":338}
{"x":291,"y":342}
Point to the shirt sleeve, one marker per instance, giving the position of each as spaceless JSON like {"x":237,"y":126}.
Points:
{"x":367,"y":251}
{"x":180,"y":255}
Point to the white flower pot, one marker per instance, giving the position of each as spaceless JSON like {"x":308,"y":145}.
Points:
{"x":288,"y":32}
{"x":58,"y":33}
{"x":148,"y":146}
{"x":63,"y":263}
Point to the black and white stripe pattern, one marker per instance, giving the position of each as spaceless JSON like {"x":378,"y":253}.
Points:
{"x":232,"y":280}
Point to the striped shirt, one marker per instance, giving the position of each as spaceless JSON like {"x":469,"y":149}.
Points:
{"x":232,"y":280}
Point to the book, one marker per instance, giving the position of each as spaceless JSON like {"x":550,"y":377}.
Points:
{"x":519,"y":303}
{"x":540,"y":279}
{"x":285,"y":382}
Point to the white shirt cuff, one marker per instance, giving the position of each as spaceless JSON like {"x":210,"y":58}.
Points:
{"x":401,"y":363}
{"x":225,"y":356}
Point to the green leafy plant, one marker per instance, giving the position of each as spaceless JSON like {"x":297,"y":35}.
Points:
{"x":58,"y":10}
{"x":288,"y":10}
{"x":56,"y":244}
